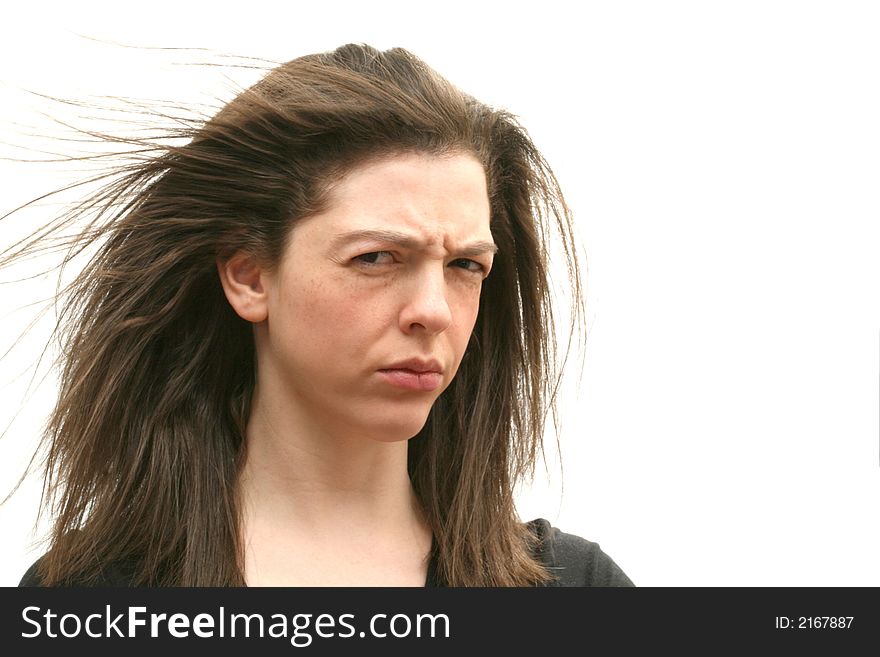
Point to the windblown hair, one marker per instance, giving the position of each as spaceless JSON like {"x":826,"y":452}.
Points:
{"x":145,"y":445}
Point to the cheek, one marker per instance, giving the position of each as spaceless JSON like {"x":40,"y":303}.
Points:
{"x":318,"y":309}
{"x":328,"y":318}
{"x":465,"y":318}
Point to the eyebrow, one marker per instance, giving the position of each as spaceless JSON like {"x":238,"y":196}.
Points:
{"x":408,"y":241}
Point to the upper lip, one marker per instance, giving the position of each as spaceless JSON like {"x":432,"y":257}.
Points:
{"x":417,"y":365}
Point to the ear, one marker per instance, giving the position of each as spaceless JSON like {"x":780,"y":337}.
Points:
{"x":244,"y":283}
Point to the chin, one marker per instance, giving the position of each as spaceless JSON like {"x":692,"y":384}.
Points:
{"x":397,"y":430}
{"x":397,"y":436}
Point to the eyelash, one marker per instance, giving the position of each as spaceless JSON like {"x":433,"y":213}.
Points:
{"x":358,"y":259}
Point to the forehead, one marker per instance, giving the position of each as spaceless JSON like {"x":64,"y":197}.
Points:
{"x":441,"y":200}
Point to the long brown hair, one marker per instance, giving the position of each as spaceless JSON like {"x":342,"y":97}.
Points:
{"x":145,"y":444}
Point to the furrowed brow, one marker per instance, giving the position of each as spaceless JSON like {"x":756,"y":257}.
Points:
{"x":407,"y":241}
{"x":477,"y":248}
{"x":389,"y":236}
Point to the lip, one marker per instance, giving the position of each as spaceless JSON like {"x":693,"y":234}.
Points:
{"x":414,"y":374}
{"x":417,"y":365}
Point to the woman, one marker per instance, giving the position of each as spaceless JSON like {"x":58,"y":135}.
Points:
{"x":316,"y":348}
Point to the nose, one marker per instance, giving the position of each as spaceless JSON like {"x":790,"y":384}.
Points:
{"x":426,"y":306}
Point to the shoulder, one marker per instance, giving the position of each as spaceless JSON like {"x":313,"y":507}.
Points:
{"x":574,"y":560}
{"x":32,"y":576}
{"x":120,"y":574}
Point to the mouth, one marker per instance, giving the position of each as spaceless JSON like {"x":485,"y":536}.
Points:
{"x":417,"y":366}
{"x":414,"y":374}
{"x":408,"y":379}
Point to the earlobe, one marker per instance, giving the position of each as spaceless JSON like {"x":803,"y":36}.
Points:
{"x":243,"y":284}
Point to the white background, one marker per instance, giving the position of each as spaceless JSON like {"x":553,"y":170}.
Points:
{"x":722,"y":161}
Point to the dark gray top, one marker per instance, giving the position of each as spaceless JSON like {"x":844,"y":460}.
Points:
{"x":575,"y":562}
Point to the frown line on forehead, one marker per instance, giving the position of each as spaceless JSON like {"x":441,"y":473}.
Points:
{"x":407,"y":241}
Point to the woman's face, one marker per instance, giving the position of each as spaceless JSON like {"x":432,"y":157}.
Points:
{"x":374,"y":301}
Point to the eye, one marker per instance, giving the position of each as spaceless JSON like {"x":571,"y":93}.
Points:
{"x":374,"y":257}
{"x":469,"y":265}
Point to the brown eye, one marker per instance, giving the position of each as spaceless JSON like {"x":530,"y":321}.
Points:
{"x":372,"y":257}
{"x":469,"y":265}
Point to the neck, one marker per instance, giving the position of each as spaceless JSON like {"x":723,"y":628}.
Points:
{"x":308,"y":489}
{"x":309,"y":473}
